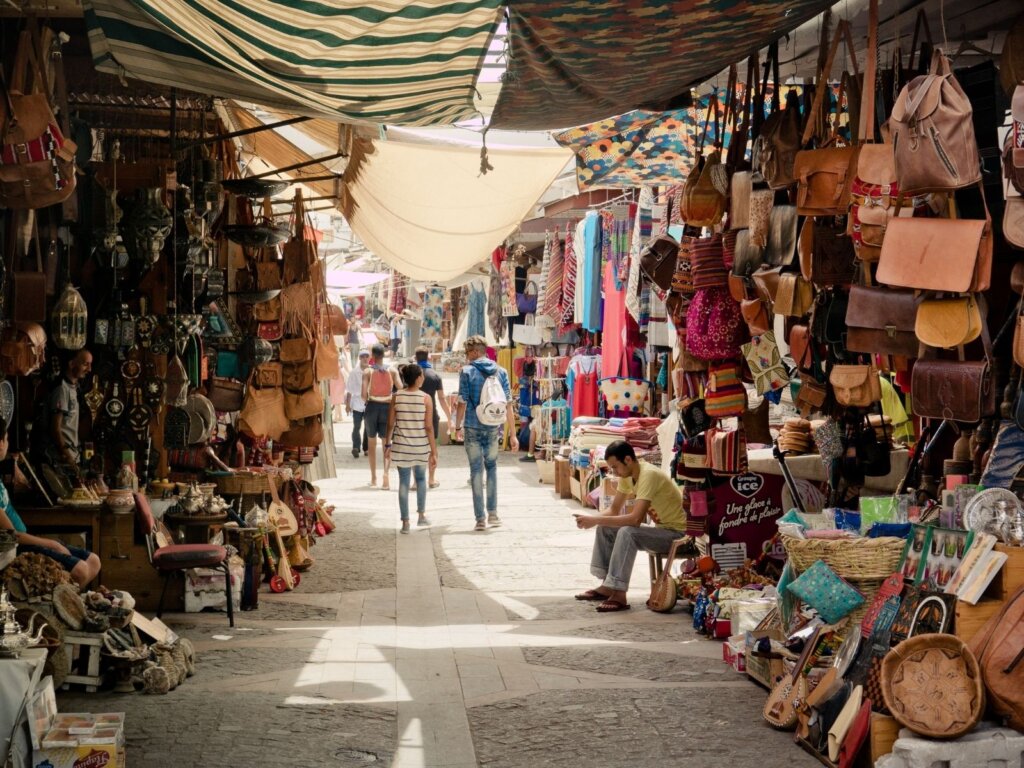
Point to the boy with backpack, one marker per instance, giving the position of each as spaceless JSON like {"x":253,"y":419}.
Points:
{"x":484,"y":395}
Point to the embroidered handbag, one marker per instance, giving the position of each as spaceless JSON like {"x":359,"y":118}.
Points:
{"x":725,"y":394}
{"x":761,"y":202}
{"x":270,"y":331}
{"x":855,"y":385}
{"x":714,"y":327}
{"x":948,"y":323}
{"x":623,"y":397}
{"x":765,"y":362}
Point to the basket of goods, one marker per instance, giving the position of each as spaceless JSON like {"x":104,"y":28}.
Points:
{"x":244,"y":483}
{"x":857,"y":559}
{"x":932,"y":685}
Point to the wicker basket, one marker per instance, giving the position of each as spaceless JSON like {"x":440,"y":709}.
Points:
{"x":852,"y":559}
{"x":242,"y":483}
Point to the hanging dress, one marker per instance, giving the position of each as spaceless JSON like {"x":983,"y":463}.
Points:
{"x":584,"y":387}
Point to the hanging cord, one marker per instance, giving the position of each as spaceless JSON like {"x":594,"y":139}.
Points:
{"x":942,"y":18}
{"x":485,"y":163}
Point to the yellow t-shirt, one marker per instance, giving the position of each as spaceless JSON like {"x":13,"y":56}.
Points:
{"x":664,"y":496}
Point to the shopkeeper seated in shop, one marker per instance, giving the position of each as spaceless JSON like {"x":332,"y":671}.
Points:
{"x":83,"y":565}
{"x":621,"y":533}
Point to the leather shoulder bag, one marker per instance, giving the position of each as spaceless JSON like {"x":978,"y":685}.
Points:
{"x":826,"y":252}
{"x":855,"y":386}
{"x":955,"y":390}
{"x":658,"y":260}
{"x":948,"y":323}
{"x":952,"y":255}
{"x":881,"y":321}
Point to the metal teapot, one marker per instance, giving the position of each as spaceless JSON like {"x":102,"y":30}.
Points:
{"x":12,"y":639}
{"x":192,"y":501}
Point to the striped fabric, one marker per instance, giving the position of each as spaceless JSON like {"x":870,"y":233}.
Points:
{"x":408,"y":63}
{"x":540,"y":318}
{"x":552,"y":306}
{"x":410,"y":446}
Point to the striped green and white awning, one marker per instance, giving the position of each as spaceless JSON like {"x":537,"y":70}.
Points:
{"x":381,"y":61}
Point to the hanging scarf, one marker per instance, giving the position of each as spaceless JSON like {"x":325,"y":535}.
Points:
{"x":552,"y":307}
{"x":568,"y":283}
{"x":540,"y":318}
{"x":641,"y":231}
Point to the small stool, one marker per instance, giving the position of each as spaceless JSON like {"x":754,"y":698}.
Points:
{"x":656,"y":560}
{"x":83,"y":652}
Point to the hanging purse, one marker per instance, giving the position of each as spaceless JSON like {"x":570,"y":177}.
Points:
{"x":226,"y":394}
{"x":955,"y":390}
{"x":766,"y":284}
{"x":303,"y":405}
{"x":855,"y":386}
{"x":781,"y":236}
{"x":794,"y":297}
{"x":777,"y":145}
{"x":706,"y":264}
{"x":948,"y":323}
{"x":881,"y":321}
{"x":263,"y":412}
{"x":267,"y":311}
{"x":299,"y":252}
{"x":270,"y":331}
{"x":765,"y":363}
{"x":702,"y":201}
{"x":827,"y":256}
{"x":22,"y":349}
{"x":37,"y":161}
{"x":714,"y":325}
{"x":526,"y":302}
{"x":727,"y":451}
{"x":755,"y":315}
{"x":298,"y":377}
{"x":952,"y":255}
{"x":296,"y":350}
{"x":725,"y":394}
{"x":269,"y":375}
{"x":306,"y":433}
{"x":326,"y":357}
{"x":658,"y":260}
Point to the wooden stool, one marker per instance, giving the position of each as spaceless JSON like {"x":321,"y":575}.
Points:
{"x":83,"y":651}
{"x":656,"y":560}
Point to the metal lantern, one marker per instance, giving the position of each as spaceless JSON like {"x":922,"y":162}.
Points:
{"x":69,"y":320}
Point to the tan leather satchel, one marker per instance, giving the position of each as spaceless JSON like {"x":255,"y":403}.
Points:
{"x":303,"y":405}
{"x":766,"y":283}
{"x":306,"y":433}
{"x":299,"y":252}
{"x":855,"y":386}
{"x":267,"y":311}
{"x":702,"y":202}
{"x":756,"y":316}
{"x":951,"y":255}
{"x":263,"y":413}
{"x":776,"y":147}
{"x":22,"y":349}
{"x":794,"y":297}
{"x":298,"y":377}
{"x":269,"y":375}
{"x":296,"y":350}
{"x":933,"y":133}
{"x":880,"y":321}
{"x":948,"y":323}
{"x":326,"y":357}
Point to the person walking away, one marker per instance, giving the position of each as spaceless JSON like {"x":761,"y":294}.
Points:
{"x":355,"y":406}
{"x":379,"y":383}
{"x":411,"y":444}
{"x":484,"y":408}
{"x":354,"y":344}
{"x":396,"y":335}
{"x":432,"y":386}
{"x":619,"y":535}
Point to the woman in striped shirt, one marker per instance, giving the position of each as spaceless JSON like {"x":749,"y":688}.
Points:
{"x":410,"y":443}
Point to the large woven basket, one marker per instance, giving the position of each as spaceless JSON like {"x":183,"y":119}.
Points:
{"x":242,"y":483}
{"x":932,"y":685}
{"x":853,"y":559}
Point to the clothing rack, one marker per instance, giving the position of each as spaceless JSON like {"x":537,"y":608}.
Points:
{"x":552,"y":426}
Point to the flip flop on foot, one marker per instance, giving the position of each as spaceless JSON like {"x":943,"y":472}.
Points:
{"x":591,"y":594}
{"x":435,"y":484}
{"x":611,"y":606}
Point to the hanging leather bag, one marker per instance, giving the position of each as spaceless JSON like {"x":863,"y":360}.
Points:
{"x":955,"y":390}
{"x":22,"y":348}
{"x":702,"y":202}
{"x":779,"y":141}
{"x":296,"y":350}
{"x":826,"y":252}
{"x":951,"y":255}
{"x":658,"y":260}
{"x":37,"y":162}
{"x":782,"y":236}
{"x":326,"y":358}
{"x":881,"y":321}
{"x":303,"y":405}
{"x":794,"y":297}
{"x":262,"y":413}
{"x":336,"y":320}
{"x":948,"y":323}
{"x":933,"y":133}
{"x":306,"y":433}
{"x":298,"y":377}
{"x":28,"y":288}
{"x":267,"y":311}
{"x":855,"y":386}
{"x":299,"y":251}
{"x":226,"y":394}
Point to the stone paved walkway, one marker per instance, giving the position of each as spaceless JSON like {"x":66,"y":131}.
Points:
{"x":449,"y":648}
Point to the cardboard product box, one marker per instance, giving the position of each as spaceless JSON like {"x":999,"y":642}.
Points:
{"x":734,"y":653}
{"x":97,"y":742}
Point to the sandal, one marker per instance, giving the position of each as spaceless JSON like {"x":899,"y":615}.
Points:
{"x":591,"y":594}
{"x":611,"y":606}
{"x":435,"y":484}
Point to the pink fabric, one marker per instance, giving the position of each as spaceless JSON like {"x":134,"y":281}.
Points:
{"x":614,"y":331}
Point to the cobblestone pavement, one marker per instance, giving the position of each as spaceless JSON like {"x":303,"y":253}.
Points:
{"x":449,"y":648}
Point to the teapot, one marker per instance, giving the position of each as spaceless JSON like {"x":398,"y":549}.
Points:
{"x":12,"y":639}
{"x":192,"y":501}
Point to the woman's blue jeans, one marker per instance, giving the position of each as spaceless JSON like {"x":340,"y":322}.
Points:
{"x":404,"y":473}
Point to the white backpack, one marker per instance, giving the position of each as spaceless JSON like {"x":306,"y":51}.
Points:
{"x":493,"y":403}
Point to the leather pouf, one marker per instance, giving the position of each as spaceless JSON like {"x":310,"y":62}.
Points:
{"x":932,"y":685}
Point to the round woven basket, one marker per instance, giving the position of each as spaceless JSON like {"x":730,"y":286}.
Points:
{"x":852,"y":559}
{"x":242,"y":483}
{"x":932,"y":685}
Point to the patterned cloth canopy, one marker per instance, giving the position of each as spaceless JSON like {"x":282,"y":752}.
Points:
{"x":411,"y":63}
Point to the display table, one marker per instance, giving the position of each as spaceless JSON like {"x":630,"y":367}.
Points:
{"x":18,"y":680}
{"x":61,"y":519}
{"x":809,"y":467}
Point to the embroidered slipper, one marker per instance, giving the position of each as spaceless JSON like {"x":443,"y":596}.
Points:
{"x":611,"y":606}
{"x":591,"y":594}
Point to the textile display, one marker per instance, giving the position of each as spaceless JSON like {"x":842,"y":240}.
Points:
{"x":427,"y":211}
{"x":410,"y":64}
{"x":552,"y":303}
{"x":476,"y":310}
{"x":507,"y":274}
{"x":569,"y":281}
{"x":577,"y":61}
{"x":613,"y":338}
{"x":642,"y":224}
{"x":496,"y":320}
{"x":433,"y":313}
{"x":591,"y":283}
{"x":541,"y":318}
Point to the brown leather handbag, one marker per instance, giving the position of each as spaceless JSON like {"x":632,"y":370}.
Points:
{"x":855,"y":386}
{"x":952,"y":255}
{"x":955,"y":390}
{"x":263,"y":413}
{"x":794,"y":297}
{"x":299,"y":252}
{"x":22,"y":348}
{"x":38,"y":168}
{"x":702,"y":200}
{"x":776,"y":147}
{"x":298,"y":377}
{"x":766,"y":282}
{"x":303,"y":405}
{"x":781,"y":236}
{"x":296,"y":350}
{"x":756,"y":316}
{"x":269,"y":375}
{"x":268,"y":276}
{"x":739,"y":287}
{"x":28,"y":288}
{"x":326,"y":358}
{"x":658,"y":260}
{"x":826,"y":252}
{"x":306,"y":433}
{"x":267,"y":311}
{"x":933,"y":133}
{"x":881,"y":321}
{"x":226,"y":394}
{"x":337,"y":322}
{"x":800,"y":346}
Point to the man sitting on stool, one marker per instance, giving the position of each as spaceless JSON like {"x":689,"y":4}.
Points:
{"x":619,"y":535}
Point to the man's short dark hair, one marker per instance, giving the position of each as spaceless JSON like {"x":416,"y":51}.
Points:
{"x":377,"y":350}
{"x":422,"y":354}
{"x":410,"y":373}
{"x":620,"y":450}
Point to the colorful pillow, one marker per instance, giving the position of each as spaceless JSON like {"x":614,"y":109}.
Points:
{"x":822,"y":589}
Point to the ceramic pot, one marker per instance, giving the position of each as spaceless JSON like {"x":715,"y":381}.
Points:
{"x":121,"y":501}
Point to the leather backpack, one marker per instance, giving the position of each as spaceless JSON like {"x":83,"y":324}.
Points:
{"x":997,"y":647}
{"x":658,"y":260}
{"x":702,"y":201}
{"x":22,"y":349}
{"x":933,"y":133}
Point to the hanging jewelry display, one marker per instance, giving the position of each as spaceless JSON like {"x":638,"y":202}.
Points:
{"x":153,"y":389}
{"x":94,"y":398}
{"x":115,"y":406}
{"x":139,"y":415}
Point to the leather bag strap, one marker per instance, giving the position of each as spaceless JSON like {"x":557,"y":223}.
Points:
{"x":822,"y":85}
{"x":920,"y":23}
{"x":866,"y":130}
